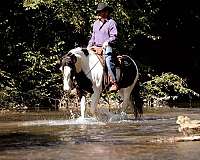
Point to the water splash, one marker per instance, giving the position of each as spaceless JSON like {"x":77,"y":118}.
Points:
{"x":77,"y":121}
{"x":106,"y":116}
{"x":102,"y":118}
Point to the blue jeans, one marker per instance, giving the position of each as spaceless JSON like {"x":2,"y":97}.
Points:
{"x":110,"y":63}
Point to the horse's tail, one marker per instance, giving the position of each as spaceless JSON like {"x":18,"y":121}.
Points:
{"x":137,"y":100}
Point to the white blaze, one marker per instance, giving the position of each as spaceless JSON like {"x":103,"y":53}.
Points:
{"x":67,"y":83}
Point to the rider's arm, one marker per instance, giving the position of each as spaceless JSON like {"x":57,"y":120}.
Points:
{"x":112,"y":32}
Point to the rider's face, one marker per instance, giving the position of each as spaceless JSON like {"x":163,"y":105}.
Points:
{"x":104,"y":14}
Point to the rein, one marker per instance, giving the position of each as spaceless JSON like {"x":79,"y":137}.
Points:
{"x":92,"y":68}
{"x":100,"y":60}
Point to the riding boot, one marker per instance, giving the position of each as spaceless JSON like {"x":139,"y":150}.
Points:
{"x":109,"y":57}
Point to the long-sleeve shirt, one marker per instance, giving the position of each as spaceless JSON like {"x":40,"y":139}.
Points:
{"x":103,"y":32}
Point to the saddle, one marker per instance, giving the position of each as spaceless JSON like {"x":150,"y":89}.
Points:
{"x":99,"y":52}
{"x":125,"y":69}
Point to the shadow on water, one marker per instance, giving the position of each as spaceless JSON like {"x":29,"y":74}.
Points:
{"x":20,"y":140}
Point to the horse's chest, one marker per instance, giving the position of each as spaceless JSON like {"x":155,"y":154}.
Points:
{"x":84,"y":84}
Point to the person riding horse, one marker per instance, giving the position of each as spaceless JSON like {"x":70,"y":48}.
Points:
{"x":104,"y":34}
{"x":87,"y":70}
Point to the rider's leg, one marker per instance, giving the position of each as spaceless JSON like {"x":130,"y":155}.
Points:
{"x":111,"y":67}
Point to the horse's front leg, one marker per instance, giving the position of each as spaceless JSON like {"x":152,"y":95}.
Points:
{"x":82,"y":105}
{"x":82,"y":99}
{"x":94,"y":100}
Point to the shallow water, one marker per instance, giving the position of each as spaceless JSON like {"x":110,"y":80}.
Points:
{"x":49,"y":136}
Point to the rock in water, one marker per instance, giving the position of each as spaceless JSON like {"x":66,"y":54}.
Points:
{"x":188,"y":127}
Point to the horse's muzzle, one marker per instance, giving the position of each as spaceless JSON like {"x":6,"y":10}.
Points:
{"x":69,"y":87}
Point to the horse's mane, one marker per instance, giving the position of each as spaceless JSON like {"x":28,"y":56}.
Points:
{"x":78,"y":50}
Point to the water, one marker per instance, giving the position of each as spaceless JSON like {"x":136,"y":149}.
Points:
{"x":49,"y":136}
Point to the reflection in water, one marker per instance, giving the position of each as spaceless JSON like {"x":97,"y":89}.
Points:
{"x":90,"y":139}
{"x":13,"y":141}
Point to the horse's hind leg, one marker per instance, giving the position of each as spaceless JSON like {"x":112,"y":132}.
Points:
{"x":131,"y":97}
{"x":125,"y":94}
{"x":94,"y":100}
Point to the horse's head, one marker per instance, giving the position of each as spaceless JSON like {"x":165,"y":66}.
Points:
{"x":68,"y":69}
{"x":70,"y":65}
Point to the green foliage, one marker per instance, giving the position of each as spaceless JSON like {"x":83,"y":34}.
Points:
{"x":40,"y":78}
{"x":7,"y":89}
{"x":34,"y":4}
{"x":38,"y":84}
{"x":168,"y":86}
{"x":81,"y":14}
{"x":74,"y":12}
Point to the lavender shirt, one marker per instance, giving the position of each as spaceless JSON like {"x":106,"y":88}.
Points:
{"x":106,"y":32}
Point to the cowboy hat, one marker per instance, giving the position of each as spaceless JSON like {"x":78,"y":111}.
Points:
{"x":103,"y":6}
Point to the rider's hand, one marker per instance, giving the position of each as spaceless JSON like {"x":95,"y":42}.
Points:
{"x":89,"y":47}
{"x":105,"y":44}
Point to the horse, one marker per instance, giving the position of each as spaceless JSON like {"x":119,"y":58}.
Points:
{"x":85,"y":68}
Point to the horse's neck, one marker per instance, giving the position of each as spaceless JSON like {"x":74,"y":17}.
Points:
{"x":89,"y":63}
{"x":78,"y":65}
{"x":82,"y":63}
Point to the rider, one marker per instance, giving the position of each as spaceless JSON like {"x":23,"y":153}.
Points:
{"x":104,"y":35}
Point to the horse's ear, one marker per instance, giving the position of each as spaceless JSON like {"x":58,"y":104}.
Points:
{"x":85,"y":51}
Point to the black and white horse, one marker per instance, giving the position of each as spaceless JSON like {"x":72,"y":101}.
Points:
{"x":86,"y":69}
